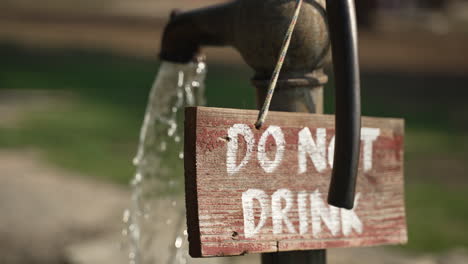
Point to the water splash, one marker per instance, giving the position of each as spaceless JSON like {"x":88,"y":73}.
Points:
{"x":155,"y":223}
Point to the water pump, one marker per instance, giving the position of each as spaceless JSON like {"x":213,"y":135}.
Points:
{"x":256,"y":29}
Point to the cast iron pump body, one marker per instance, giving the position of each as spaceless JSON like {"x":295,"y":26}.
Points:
{"x":256,"y":29}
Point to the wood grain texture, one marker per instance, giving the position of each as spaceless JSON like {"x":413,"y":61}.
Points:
{"x":215,"y":213}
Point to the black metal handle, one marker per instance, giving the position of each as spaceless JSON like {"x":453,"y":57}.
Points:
{"x":343,"y":34}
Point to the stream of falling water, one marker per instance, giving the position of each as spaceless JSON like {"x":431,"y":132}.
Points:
{"x":155,"y":227}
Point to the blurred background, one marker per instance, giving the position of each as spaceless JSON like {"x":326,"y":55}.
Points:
{"x":74,"y":81}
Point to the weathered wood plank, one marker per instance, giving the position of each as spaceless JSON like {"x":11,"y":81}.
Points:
{"x":269,"y":194}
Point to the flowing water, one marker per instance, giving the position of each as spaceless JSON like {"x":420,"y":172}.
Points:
{"x":155,"y":223}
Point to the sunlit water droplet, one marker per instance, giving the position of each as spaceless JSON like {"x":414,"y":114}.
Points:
{"x":138,"y":178}
{"x":172,"y":183}
{"x":180,"y":81}
{"x":172,"y":129}
{"x":163,"y":146}
{"x":178,"y":242}
{"x":126,"y":216}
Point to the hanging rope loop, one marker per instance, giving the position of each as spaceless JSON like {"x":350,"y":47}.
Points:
{"x":274,"y":78}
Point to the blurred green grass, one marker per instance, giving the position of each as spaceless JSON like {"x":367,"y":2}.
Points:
{"x":96,"y":131}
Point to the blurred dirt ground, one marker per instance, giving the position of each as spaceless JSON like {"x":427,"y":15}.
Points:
{"x":45,"y":209}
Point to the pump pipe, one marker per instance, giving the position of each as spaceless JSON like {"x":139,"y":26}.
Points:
{"x":256,"y":29}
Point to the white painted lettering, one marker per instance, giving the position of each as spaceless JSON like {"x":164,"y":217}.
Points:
{"x":350,"y":220}
{"x":331,"y":152}
{"x":233,"y":146}
{"x":368,"y":136}
{"x":315,"y":150}
{"x":330,"y":215}
{"x":248,"y":198}
{"x":338,"y":222}
{"x":280,"y":214}
{"x":268,"y":165}
{"x":303,"y":212}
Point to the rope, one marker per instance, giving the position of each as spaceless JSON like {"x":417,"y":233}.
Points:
{"x":274,"y":78}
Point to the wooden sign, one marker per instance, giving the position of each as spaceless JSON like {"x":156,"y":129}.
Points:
{"x":256,"y":191}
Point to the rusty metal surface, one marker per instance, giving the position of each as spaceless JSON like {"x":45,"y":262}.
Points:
{"x":256,"y":29}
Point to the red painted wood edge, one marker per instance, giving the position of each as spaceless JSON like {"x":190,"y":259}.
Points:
{"x":214,"y":203}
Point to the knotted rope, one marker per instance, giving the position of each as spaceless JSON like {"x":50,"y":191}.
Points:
{"x":274,"y":78}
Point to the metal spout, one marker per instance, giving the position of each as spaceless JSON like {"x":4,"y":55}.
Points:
{"x":186,"y":32}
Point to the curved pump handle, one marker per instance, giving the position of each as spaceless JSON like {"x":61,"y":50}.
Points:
{"x":343,"y":34}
